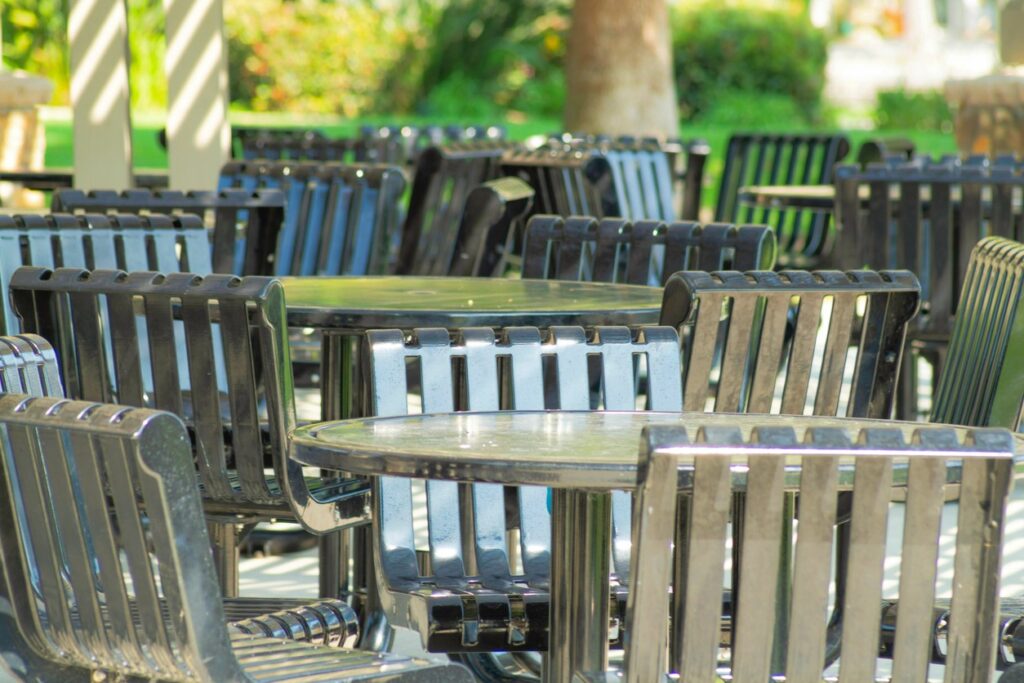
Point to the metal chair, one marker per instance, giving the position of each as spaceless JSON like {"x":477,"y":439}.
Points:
{"x":566,"y":182}
{"x":444,"y":178}
{"x":640,"y":253}
{"x":340,"y":219}
{"x":471,"y":598}
{"x":926,"y":216}
{"x":244,"y":224}
{"x":805,"y":238}
{"x":752,"y":341}
{"x":28,"y":365}
{"x":490,"y":223}
{"x":105,"y":561}
{"x":819,"y":460}
{"x":223,"y":368}
{"x":123,"y":241}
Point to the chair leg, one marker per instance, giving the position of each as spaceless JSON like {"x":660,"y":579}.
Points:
{"x":224,"y":538}
{"x":906,"y":397}
{"x":334,"y":556}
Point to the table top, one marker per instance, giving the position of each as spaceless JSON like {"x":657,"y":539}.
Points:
{"x":364,"y":303}
{"x":590,"y":449}
{"x":813,"y":197}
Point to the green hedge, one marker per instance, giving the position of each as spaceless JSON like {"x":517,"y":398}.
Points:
{"x":724,"y":50}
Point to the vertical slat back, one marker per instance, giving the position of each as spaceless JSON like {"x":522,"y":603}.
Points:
{"x":237,"y":424}
{"x":483,"y":368}
{"x":823,"y":460}
{"x":28,"y":365}
{"x":745,"y":363}
{"x":775,"y":159}
{"x":83,"y":470}
{"x":641,"y":253}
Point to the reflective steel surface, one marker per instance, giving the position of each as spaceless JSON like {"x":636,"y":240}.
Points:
{"x":552,"y":448}
{"x":361,"y":303}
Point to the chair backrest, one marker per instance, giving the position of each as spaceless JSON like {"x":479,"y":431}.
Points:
{"x":444,"y":178}
{"x":123,"y":241}
{"x":403,"y":143}
{"x":648,"y":172}
{"x":927,"y":216}
{"x":28,"y":365}
{"x":818,"y":460}
{"x":244,"y":224}
{"x":566,"y":182}
{"x":764,"y":336}
{"x":227,"y":335}
{"x":982,"y":384}
{"x":782,"y":159}
{"x":102,"y":529}
{"x":340,"y":219}
{"x":641,"y":252}
{"x":490,"y":223}
{"x":520,"y":371}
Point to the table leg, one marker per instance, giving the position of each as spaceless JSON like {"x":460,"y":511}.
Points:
{"x":580,"y":565}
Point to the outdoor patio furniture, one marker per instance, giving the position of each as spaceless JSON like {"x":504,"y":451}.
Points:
{"x":782,"y":159}
{"x":226,"y":373}
{"x":775,"y":636}
{"x":124,"y":242}
{"x":641,"y":252}
{"x":926,"y":217}
{"x":493,"y":217}
{"x":761,"y":333}
{"x":28,"y":365}
{"x":445,"y":175}
{"x":891,"y":150}
{"x":403,"y":143}
{"x":339,"y":218}
{"x":245,"y":225}
{"x":566,"y":182}
{"x":648,"y":173}
{"x":107,"y":572}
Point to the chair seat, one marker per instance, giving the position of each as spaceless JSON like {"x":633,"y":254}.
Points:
{"x":269,"y":659}
{"x":468,"y":614}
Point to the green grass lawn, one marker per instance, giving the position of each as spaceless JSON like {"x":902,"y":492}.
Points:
{"x":148,"y":154}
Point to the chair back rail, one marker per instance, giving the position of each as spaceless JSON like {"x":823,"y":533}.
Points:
{"x":641,"y":252}
{"x":772,"y":351}
{"x":981,"y":384}
{"x":815,"y":463}
{"x":103,"y":548}
{"x":466,"y":525}
{"x":211,"y":327}
{"x":244,"y":224}
{"x":340,"y":219}
{"x":444,"y":178}
{"x":492,"y":220}
{"x":120,"y":241}
{"x":782,"y":159}
{"x":566,"y":183}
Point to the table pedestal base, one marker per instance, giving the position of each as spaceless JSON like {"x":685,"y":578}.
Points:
{"x":580,"y":559}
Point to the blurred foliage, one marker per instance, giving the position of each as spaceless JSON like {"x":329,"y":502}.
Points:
{"x":921,"y":110}
{"x":313,"y":56}
{"x":745,"y":110}
{"x":719,"y":50}
{"x":34,"y":40}
{"x":481,"y":57}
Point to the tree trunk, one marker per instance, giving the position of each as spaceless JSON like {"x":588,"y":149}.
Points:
{"x":619,"y":69}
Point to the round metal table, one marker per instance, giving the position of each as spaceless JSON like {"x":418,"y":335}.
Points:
{"x":344,"y":308}
{"x":581,"y":455}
